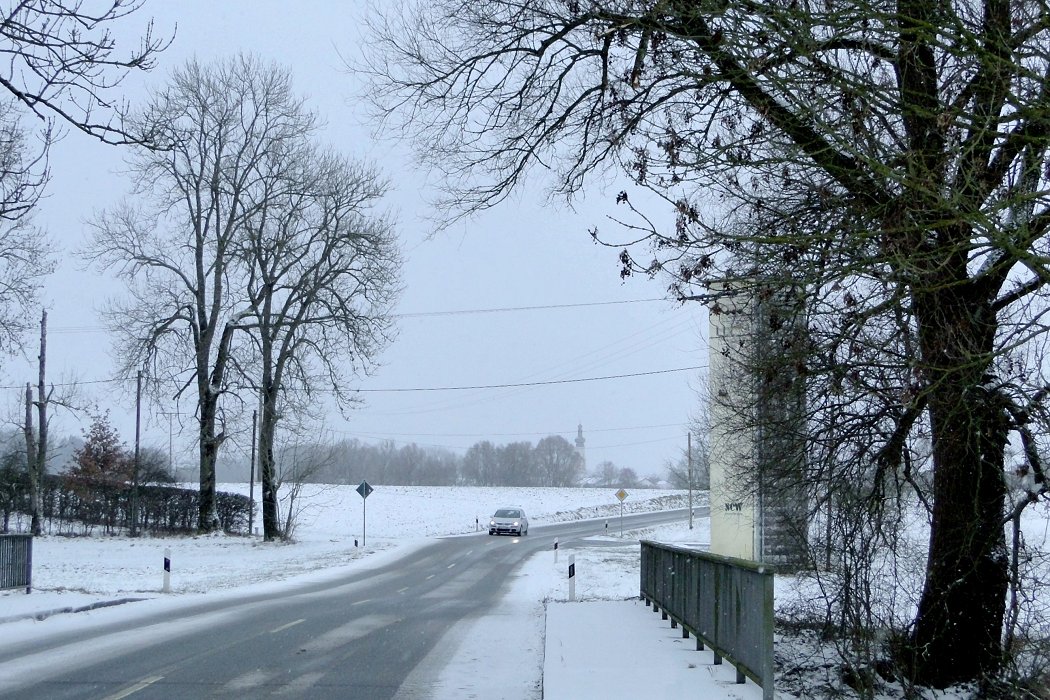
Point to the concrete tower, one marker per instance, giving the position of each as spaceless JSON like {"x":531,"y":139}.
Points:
{"x":756,"y":431}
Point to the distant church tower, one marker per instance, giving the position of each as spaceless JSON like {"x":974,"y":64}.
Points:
{"x":579,"y":446}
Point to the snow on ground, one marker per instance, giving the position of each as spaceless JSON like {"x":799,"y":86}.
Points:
{"x":71,"y":570}
{"x":608,"y":645}
{"x":606,"y":631}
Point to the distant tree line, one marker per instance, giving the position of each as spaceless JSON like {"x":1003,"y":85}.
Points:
{"x":552,"y":461}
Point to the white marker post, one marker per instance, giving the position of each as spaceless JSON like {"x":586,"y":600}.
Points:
{"x":572,"y":577}
{"x":167,"y":570}
{"x":555,"y":550}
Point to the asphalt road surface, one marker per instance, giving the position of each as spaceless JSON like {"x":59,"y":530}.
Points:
{"x":356,"y":637}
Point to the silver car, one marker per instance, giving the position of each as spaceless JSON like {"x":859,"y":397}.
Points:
{"x":509,"y":521}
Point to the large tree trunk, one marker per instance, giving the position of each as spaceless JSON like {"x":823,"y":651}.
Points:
{"x":207,"y":520}
{"x":267,"y":427}
{"x":209,"y":393}
{"x":958,"y":628}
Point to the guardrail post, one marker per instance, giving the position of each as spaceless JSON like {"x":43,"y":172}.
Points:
{"x":29,"y":566}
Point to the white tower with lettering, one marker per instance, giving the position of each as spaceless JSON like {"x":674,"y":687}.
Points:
{"x":733,"y":498}
{"x":757,"y":431}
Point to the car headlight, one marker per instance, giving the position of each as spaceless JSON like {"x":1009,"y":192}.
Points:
{"x":516,"y":523}
{"x":492,"y":523}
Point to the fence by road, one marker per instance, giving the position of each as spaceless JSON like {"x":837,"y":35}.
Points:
{"x":725,"y":603}
{"x":16,"y":562}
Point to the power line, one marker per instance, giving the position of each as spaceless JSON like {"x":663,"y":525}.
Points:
{"x":431,"y":314}
{"x":89,"y":381}
{"x":443,"y":388}
{"x":535,"y":433}
{"x":528,"y":384}
{"x":545,"y":307}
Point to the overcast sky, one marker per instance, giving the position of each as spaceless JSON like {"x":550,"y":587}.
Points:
{"x":566,"y":315}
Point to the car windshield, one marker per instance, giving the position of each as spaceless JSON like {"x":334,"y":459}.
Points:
{"x":507,"y":513}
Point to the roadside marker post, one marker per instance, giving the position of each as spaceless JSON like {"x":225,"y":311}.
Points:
{"x":572,"y":577}
{"x":167,"y":569}
{"x":555,"y":550}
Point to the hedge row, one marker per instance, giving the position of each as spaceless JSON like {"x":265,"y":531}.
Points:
{"x":73,"y":506}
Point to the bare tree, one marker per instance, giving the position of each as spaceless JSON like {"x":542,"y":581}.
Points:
{"x":607,"y":472}
{"x":323,"y":276}
{"x":889,"y":157}
{"x":61,"y":65}
{"x":680,"y":471}
{"x":298,"y":464}
{"x":25,"y":251}
{"x":481,"y":464}
{"x":36,"y":440}
{"x":155,"y":466}
{"x":63,"y":62}
{"x":223,"y":130}
{"x":516,"y":465}
{"x":557,"y":461}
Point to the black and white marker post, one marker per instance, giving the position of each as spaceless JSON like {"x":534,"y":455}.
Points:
{"x":555,"y":550}
{"x":572,"y":578}
{"x":167,"y":570}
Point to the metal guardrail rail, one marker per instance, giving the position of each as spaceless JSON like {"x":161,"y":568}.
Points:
{"x":16,"y":562}
{"x":725,"y":603}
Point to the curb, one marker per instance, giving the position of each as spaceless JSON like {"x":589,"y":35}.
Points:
{"x":44,"y":614}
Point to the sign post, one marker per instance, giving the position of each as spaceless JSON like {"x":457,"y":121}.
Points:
{"x":364,"y":489}
{"x":621,"y":494}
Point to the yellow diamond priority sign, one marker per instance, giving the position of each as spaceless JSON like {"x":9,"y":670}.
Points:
{"x":621,"y":494}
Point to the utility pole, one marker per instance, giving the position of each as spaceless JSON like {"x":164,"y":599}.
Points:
{"x":689,"y":460}
{"x":251,"y":479}
{"x":135,"y":477}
